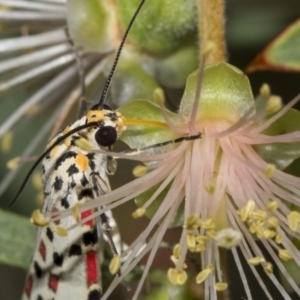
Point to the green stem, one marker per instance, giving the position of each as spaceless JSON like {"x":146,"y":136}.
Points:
{"x":211,"y":27}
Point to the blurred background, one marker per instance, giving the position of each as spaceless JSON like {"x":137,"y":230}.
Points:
{"x":250,"y":26}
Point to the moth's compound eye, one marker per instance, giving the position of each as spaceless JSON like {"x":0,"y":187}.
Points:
{"x":106,"y":136}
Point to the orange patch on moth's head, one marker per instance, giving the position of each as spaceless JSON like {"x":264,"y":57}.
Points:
{"x":82,"y":162}
{"x":95,"y":115}
{"x":54,"y":151}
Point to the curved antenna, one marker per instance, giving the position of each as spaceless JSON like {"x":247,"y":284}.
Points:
{"x":112,"y":71}
{"x":47,"y":151}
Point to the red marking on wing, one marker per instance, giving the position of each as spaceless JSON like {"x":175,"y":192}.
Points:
{"x":42,"y":250}
{"x":92,"y":267}
{"x":28,"y":286}
{"x":85,"y":214}
{"x":53,"y":282}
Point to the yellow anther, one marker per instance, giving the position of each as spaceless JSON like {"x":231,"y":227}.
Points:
{"x":199,"y":248}
{"x":260,"y":232}
{"x":140,"y":171}
{"x":13,"y":163}
{"x":159,"y":96}
{"x":204,"y":274}
{"x":114,"y":265}
{"x":228,"y":238}
{"x":259,"y":215}
{"x":208,"y":224}
{"x":253,"y":228}
{"x":265,"y":90}
{"x":37,"y":218}
{"x":273,"y":222}
{"x":285,"y":254}
{"x":138,"y":213}
{"x":181,"y":277}
{"x":39,"y":199}
{"x":294,"y":220}
{"x":61,"y":231}
{"x":221,"y":286}
{"x":210,"y":187}
{"x":6,"y":141}
{"x":269,"y":170}
{"x":37,"y":181}
{"x":192,"y":222}
{"x":247,"y":210}
{"x":256,"y":260}
{"x":172,"y":276}
{"x":177,"y":250}
{"x":211,"y":233}
{"x":278,"y":238}
{"x":274,"y":104}
{"x":191,"y":240}
{"x":201,"y":239}
{"x":272,"y":206}
{"x":83,"y":144}
{"x":269,"y":234}
{"x":268,"y":268}
{"x":175,"y":262}
{"x":76,"y":212}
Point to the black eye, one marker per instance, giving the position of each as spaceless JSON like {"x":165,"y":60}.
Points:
{"x":106,"y":136}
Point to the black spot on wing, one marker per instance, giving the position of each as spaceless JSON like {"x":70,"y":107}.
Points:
{"x":65,"y":203}
{"x":75,"y":250}
{"x":39,"y":297}
{"x":94,"y":295}
{"x":57,"y":184}
{"x":84,"y":181}
{"x":90,"y":237}
{"x":63,"y":158}
{"x":38,"y":270}
{"x":91,"y":157}
{"x":49,"y":234}
{"x":72,"y":185}
{"x":85,"y":193}
{"x":58,"y":259}
{"x":72,"y":170}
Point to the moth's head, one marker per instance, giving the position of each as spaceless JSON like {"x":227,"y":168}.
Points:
{"x":109,"y":124}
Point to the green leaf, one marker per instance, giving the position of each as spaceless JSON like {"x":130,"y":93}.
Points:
{"x":281,"y":154}
{"x":145,"y":134}
{"x":17,"y":239}
{"x":282,"y":53}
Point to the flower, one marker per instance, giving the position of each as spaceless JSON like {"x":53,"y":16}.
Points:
{"x":220,"y":189}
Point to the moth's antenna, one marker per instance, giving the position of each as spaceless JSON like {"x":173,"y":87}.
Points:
{"x":112,"y":71}
{"x":47,"y":151}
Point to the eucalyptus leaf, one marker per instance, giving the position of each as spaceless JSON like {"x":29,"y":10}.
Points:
{"x":281,"y":154}
{"x":17,"y":239}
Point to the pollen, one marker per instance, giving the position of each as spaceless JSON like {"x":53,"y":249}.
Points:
{"x":37,"y":181}
{"x":177,"y":250}
{"x":84,"y":144}
{"x":175,"y":261}
{"x":13,"y":163}
{"x":140,"y":171}
{"x":269,"y":171}
{"x":115,"y":265}
{"x":272,"y":206}
{"x":247,"y":210}
{"x":192,"y":222}
{"x":274,"y":104}
{"x":285,"y":254}
{"x":159,"y":96}
{"x":204,"y":274}
{"x":191,"y":241}
{"x":76,"y":212}
{"x":177,"y":277}
{"x":221,"y":286}
{"x":61,"y":231}
{"x":265,"y":91}
{"x":138,"y":213}
{"x":210,"y":187}
{"x":6,"y":141}
{"x":82,"y":161}
{"x":268,"y":268}
{"x":255,"y":261}
{"x":228,"y":238}
{"x":294,"y":220}
{"x":37,"y":218}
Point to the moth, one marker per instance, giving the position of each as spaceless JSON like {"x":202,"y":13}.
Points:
{"x":66,"y":265}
